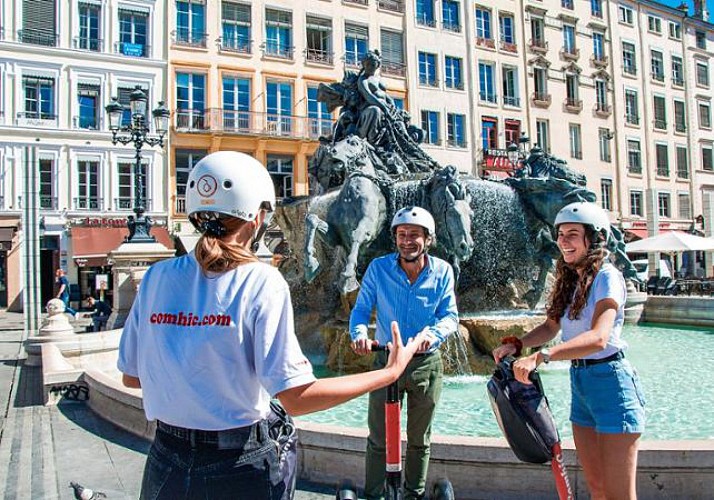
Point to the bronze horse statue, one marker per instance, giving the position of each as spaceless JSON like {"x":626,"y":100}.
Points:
{"x":355,"y":216}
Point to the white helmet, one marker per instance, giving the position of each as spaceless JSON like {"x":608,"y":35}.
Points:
{"x":416,"y":216}
{"x":586,"y":213}
{"x":230,"y":183}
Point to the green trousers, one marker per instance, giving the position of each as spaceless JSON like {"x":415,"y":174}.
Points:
{"x":421,"y":382}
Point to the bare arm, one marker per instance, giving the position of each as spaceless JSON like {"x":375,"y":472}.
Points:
{"x":328,"y":392}
{"x":61,"y":290}
{"x":130,"y":382}
{"x":541,"y":334}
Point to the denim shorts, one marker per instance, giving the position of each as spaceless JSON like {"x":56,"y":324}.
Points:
{"x":608,"y":397}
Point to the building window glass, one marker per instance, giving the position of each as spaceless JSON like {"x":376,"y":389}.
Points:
{"x":279,"y":107}
{"x":126,"y":186}
{"x":320,"y":119}
{"x":236,"y":26}
{"x":190,"y":100}
{"x":702,"y":74}
{"x":677,"y":72}
{"x":487,"y":83}
{"x":124,"y":94}
{"x":576,"y":145}
{"x":430,"y":125}
{"x":281,"y":170}
{"x":48,"y":200}
{"x":508,"y":32}
{"x":427,"y":69}
{"x":598,"y":46}
{"x":705,"y":115}
{"x":87,"y":186}
{"x":236,"y":103}
{"x":657,"y":61}
{"x":660,"y":112}
{"x":133,"y":33}
{"x":425,"y":13}
{"x":279,"y":33}
{"x":604,"y":137}
{"x":186,"y":159}
{"x":682,"y":162}
{"x":634,"y":158}
{"x":632,"y":114}
{"x":88,"y":101}
{"x":510,"y":86}
{"x":636,"y":206}
{"x":89,"y":17}
{"x":596,"y":8}
{"x":489,"y":133}
{"x":625,"y":15}
{"x":684,"y":206}
{"x":663,"y":205}
{"x":707,"y":158}
{"x":452,"y":72}
{"x":451,"y":16}
{"x":654,"y":24}
{"x":455,"y":130}
{"x":190,"y":22}
{"x":39,"y":98}
{"x":606,"y":193}
{"x":483,"y":23}
{"x":662,"y":159}
{"x":680,"y":116}
{"x":629,"y":58}
{"x":392,"y":43}
{"x":701,"y":39}
{"x":675,"y":30}
{"x":543,"y":135}
{"x":601,"y":95}
{"x":356,"y":43}
{"x":569,"y":38}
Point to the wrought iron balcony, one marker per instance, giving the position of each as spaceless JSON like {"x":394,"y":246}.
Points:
{"x":451,"y":84}
{"x":391,"y":5}
{"x":426,"y":21}
{"x":488,"y":97}
{"x":394,"y":68}
{"x":88,"y":203}
{"x":127,"y":203}
{"x":538,"y":45}
{"x":319,"y":56}
{"x":663,"y":171}
{"x":658,"y":76}
{"x":486,"y":42}
{"x":86,"y":123}
{"x":48,"y":202}
{"x":680,"y":127}
{"x":573,"y":105}
{"x":602,"y":109}
{"x":180,"y":204}
{"x":678,"y":81}
{"x":453,"y":143}
{"x":273,"y":49}
{"x":660,"y":124}
{"x":629,"y":69}
{"x":235,"y":45}
{"x":451,"y":26}
{"x":683,"y":173}
{"x":429,"y":82}
{"x":189,"y":38}
{"x":38,"y":37}
{"x":509,"y":100}
{"x":86,"y":43}
{"x":35,"y":119}
{"x":634,"y":169}
{"x":632,"y":119}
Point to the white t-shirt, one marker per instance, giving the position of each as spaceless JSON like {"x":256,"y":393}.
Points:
{"x":608,"y":284}
{"x":211,"y":351}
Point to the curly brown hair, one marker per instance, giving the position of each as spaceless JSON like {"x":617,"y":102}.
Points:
{"x":572,"y":289}
{"x":216,"y":255}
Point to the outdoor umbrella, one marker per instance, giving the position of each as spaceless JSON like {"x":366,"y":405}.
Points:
{"x":671,"y":242}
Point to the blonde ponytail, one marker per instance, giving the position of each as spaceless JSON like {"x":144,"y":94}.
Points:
{"x":215,"y":255}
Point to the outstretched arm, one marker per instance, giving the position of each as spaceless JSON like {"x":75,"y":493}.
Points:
{"x":329,"y":392}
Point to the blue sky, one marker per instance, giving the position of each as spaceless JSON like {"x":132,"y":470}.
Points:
{"x":675,"y":3}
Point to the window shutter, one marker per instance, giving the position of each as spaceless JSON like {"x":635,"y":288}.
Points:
{"x":236,"y":12}
{"x":278,"y":18}
{"x":318,"y":23}
{"x":392,"y":46}
{"x":38,"y":16}
{"x":356,"y":31}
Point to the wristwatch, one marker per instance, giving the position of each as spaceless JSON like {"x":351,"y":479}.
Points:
{"x":545,"y":354}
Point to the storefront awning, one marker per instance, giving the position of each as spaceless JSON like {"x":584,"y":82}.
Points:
{"x":639,"y":233}
{"x":91,"y":245}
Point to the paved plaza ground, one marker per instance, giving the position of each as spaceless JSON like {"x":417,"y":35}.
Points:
{"x":43,"y":448}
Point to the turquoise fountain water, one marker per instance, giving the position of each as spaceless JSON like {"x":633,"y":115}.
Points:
{"x":675,"y":365}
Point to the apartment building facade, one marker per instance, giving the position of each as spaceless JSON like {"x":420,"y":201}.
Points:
{"x":61,"y":61}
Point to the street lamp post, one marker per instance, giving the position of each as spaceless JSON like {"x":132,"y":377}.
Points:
{"x":137,"y":132}
{"x":517,"y":153}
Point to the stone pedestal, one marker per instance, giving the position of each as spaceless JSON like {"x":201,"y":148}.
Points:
{"x":635,"y":304}
{"x":57,"y":328}
{"x":131,"y":260}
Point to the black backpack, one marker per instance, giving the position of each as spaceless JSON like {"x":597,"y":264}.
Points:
{"x":523,"y":414}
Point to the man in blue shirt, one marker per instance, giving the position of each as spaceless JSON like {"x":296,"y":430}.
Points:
{"x":416,"y":290}
{"x":63,"y":291}
{"x":100,"y":313}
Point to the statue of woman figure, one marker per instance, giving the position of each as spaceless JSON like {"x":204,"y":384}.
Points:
{"x":378,"y":103}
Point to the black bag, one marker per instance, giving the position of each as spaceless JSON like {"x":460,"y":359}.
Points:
{"x":523,"y":414}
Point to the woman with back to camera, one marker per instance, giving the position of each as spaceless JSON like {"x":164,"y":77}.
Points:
{"x":210,"y":339}
{"x":587,"y":303}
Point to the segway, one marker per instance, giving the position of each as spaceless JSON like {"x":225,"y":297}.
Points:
{"x":524,"y":416}
{"x":442,"y":489}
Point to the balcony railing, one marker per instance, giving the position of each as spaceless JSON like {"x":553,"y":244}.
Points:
{"x":358,"y":2}
{"x":86,"y":43}
{"x":451,"y":84}
{"x":635,"y":169}
{"x":538,"y":45}
{"x":663,"y":171}
{"x":180,"y":204}
{"x":84,"y":203}
{"x":86,"y":123}
{"x":683,"y":173}
{"x":632,"y":119}
{"x":509,"y":100}
{"x":429,"y":82}
{"x":680,"y":127}
{"x":252,"y":123}
{"x":38,"y":37}
{"x":574,"y":105}
{"x":541,"y":99}
{"x":392,"y":5}
{"x":127,"y":203}
{"x":451,"y":26}
{"x":629,"y":69}
{"x":678,"y":82}
{"x":453,"y":143}
{"x":426,"y":21}
{"x":394,"y":68}
{"x":570,"y":53}
{"x":602,"y":109}
{"x":272,"y":49}
{"x":131,"y":49}
{"x":189,"y":38}
{"x":319,"y":56}
{"x":235,"y":45}
{"x":660,"y":124}
{"x":599,"y":60}
{"x":508,"y":47}
{"x":596,"y":12}
{"x":658,"y":76}
{"x":487,"y":97}
{"x":577,"y":154}
{"x":35,"y":119}
{"x":486,"y":42}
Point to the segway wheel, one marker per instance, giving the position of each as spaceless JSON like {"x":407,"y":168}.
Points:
{"x":346,"y":491}
{"x":443,"y":490}
{"x":391,"y":493}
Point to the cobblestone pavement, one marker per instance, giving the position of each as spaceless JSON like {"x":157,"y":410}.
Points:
{"x":43,"y":448}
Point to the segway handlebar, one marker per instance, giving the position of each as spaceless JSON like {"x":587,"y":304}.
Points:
{"x":377,"y":347}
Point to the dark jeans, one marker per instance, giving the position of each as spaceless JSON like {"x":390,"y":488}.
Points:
{"x":257,"y":462}
{"x":99,"y":323}
{"x":67,"y":307}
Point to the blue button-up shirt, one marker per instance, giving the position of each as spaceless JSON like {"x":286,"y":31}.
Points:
{"x":428,"y":303}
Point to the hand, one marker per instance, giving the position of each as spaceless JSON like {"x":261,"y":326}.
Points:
{"x":502,"y":351}
{"x":400,"y":354}
{"x":524,"y":366}
{"x":362,"y":346}
{"x":429,"y":340}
